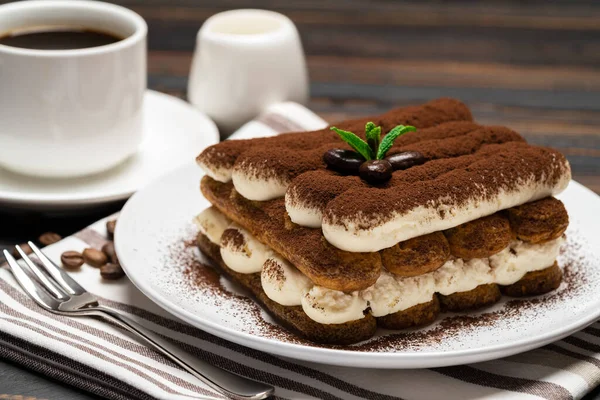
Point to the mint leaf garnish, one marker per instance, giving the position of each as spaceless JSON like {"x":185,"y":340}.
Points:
{"x":373,"y":134}
{"x":392,"y":135}
{"x":359,"y":145}
{"x":369,"y":126}
{"x":374,"y":148}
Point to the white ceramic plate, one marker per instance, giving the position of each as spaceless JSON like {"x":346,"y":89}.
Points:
{"x":175,"y":132}
{"x":156,"y":220}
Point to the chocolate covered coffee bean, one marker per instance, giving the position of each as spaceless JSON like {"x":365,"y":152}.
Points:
{"x":405,"y":159}
{"x":376,"y":171}
{"x":343,"y":161}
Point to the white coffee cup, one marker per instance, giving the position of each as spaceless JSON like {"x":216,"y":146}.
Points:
{"x":66,"y":113}
{"x":245,"y":61}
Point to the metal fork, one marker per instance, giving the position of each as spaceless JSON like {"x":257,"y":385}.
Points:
{"x":54,"y":290}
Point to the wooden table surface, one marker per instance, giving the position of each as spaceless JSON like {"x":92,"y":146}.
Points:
{"x":533,"y":66}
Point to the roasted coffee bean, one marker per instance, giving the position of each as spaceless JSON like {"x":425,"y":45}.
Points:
{"x":111,"y":271}
{"x":109,"y":250}
{"x":25,"y":247}
{"x":48,"y":238}
{"x":94,"y":257}
{"x":406,"y":159}
{"x":376,"y":171}
{"x":110,"y":228}
{"x":71,"y":259}
{"x":344,"y":161}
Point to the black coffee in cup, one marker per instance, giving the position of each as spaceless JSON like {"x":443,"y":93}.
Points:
{"x":72,"y":83}
{"x":57,"y":38}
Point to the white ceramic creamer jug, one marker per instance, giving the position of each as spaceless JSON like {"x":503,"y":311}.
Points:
{"x":245,"y":61}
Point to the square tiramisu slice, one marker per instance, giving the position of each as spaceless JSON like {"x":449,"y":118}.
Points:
{"x":385,"y":220}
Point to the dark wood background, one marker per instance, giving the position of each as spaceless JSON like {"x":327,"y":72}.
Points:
{"x":531,"y":65}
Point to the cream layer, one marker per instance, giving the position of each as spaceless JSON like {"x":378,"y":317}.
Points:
{"x":245,"y":255}
{"x":355,"y":234}
{"x":286,"y":285}
{"x":254,"y":186}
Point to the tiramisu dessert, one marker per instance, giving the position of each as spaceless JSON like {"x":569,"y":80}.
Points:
{"x":384,"y":221}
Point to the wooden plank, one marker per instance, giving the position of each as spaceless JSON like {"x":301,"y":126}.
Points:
{"x":408,"y":17}
{"x":558,"y":99}
{"x":532,"y":33}
{"x":390,"y":95}
{"x":412,"y":72}
{"x":555,"y":15}
{"x":509,"y":46}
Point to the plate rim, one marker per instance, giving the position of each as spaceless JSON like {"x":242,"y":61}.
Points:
{"x":340,"y":357}
{"x":63,"y":201}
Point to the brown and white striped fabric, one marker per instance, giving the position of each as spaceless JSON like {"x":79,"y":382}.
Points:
{"x":101,"y":358}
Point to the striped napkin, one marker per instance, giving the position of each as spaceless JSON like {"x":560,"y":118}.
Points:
{"x":103,"y":359}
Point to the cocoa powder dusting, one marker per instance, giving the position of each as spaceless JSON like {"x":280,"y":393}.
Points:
{"x":233,"y":239}
{"x":317,"y":188}
{"x":203,"y":279}
{"x":273,"y":270}
{"x":466,"y":162}
{"x":450,"y":182}
{"x":306,"y":148}
{"x":286,"y":163}
{"x":199,"y":278}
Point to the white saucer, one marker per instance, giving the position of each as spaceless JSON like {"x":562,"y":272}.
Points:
{"x":150,"y":243}
{"x":175,"y":133}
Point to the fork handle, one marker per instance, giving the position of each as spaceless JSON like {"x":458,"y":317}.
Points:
{"x":232,"y":385}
